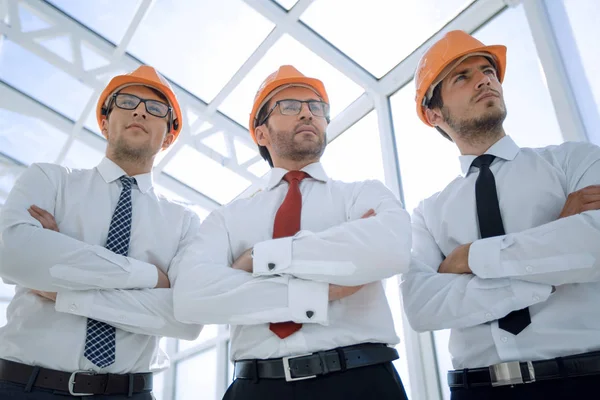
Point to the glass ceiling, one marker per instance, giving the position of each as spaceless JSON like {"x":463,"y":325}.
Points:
{"x":57,"y":55}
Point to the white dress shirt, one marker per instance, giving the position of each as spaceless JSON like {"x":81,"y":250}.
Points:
{"x":334,"y":246}
{"x":75,"y":264}
{"x":515,"y":270}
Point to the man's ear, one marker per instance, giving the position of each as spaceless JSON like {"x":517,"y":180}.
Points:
{"x":262,"y":135}
{"x":104,"y":128}
{"x":434,"y":116}
{"x":169,"y":139}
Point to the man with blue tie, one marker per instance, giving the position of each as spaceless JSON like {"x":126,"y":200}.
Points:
{"x":93,"y":290}
{"x":296,"y":269}
{"x":507,"y":256}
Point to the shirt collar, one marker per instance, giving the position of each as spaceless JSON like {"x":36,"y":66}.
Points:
{"x":315,"y":170}
{"x":110,"y":172}
{"x":504,"y":148}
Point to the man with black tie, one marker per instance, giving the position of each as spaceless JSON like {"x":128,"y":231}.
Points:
{"x":507,"y":256}
{"x":296,"y":269}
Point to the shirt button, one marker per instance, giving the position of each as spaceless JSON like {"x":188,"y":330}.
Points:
{"x":121,"y":318}
{"x":73,"y":307}
{"x":504,"y":339}
{"x":488,"y":315}
{"x":271,"y":266}
{"x":529,"y":268}
{"x":536,"y":298}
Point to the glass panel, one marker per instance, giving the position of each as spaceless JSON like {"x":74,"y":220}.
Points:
{"x":355,"y":155}
{"x":60,"y":45}
{"x":529,"y":122}
{"x":80,"y":155}
{"x":287,"y":4}
{"x":3,"y":307}
{"x":363,"y":30}
{"x":205,"y":175}
{"x":583,"y":18}
{"x":259,"y":168}
{"x":28,"y":139}
{"x":197,"y":377}
{"x":91,"y":58}
{"x":26,"y":71}
{"x":203,"y":42}
{"x":158,"y":381}
{"x":31,"y":20}
{"x":342,"y":91}
{"x":392,"y":292}
{"x":207,"y":333}
{"x":91,"y":123}
{"x":6,"y":291}
{"x":101,"y":15}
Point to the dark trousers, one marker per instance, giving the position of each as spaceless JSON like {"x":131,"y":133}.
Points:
{"x":379,"y":382}
{"x":14,"y":391}
{"x":586,"y":387}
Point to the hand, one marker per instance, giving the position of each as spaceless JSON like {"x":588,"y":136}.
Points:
{"x":337,"y":292}
{"x":585,"y":199}
{"x":44,"y":217}
{"x":46,"y":295}
{"x":163,"y":280}
{"x":370,"y":213}
{"x":457,"y":262}
{"x":244,"y":262}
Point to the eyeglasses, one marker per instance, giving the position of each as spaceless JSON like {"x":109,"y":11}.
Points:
{"x":128,"y":101}
{"x":293,"y":107}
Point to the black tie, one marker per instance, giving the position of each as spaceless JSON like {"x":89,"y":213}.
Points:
{"x":490,"y":224}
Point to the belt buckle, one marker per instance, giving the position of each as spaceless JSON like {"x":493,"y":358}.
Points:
{"x":72,"y":383}
{"x":509,"y":373}
{"x":287,"y":371}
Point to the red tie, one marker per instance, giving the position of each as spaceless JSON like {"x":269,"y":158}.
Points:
{"x":287,"y":223}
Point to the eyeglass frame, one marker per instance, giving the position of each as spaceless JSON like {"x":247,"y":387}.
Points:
{"x":170,"y":120}
{"x":326,"y":116}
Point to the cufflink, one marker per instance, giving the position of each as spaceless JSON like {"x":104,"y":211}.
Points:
{"x":309,"y":314}
{"x":271,"y":266}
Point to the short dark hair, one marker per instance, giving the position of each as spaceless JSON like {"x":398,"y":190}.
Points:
{"x":262,"y":150}
{"x":436,"y":101}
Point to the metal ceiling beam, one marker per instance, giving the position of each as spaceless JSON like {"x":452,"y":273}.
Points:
{"x":291,"y":24}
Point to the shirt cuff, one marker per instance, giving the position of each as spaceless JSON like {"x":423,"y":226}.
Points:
{"x":142,"y":275}
{"x":484,"y":257}
{"x":528,"y":293}
{"x":308,"y":301}
{"x":75,"y":302}
{"x":272,"y":257}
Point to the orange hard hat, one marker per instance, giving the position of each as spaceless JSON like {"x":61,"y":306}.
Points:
{"x":286,"y":75}
{"x":451,"y":50}
{"x":146,"y":76}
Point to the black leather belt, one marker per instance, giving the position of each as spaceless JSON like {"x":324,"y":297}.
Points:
{"x":309,"y":366}
{"x":515,"y":372}
{"x":79,"y":383}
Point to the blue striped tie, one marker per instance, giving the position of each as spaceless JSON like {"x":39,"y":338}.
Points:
{"x":100,"y":337}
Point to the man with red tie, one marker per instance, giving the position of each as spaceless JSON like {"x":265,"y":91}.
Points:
{"x":297,"y":269}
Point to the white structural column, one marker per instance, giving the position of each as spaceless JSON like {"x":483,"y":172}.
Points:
{"x":565,"y":104}
{"x":574,"y":68}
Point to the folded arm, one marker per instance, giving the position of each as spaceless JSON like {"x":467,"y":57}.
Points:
{"x":145,"y":311}
{"x":560,"y":252}
{"x":357,"y":252}
{"x":42,"y":259}
{"x":209,"y":291}
{"x":434,"y":300}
